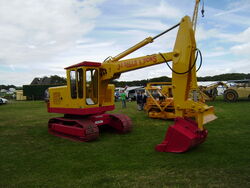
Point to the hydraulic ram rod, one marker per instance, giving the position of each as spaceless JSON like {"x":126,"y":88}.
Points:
{"x":141,"y":44}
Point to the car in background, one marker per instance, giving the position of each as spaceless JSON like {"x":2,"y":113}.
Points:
{"x":131,"y":92}
{"x":3,"y":100}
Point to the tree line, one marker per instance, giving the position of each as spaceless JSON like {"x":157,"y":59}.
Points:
{"x":222,"y":77}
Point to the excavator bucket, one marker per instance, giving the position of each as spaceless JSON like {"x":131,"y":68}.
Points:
{"x":182,"y":136}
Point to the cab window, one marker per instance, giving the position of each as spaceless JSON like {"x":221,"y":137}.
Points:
{"x":80,"y":83}
{"x":91,"y":86}
{"x":73,"y":84}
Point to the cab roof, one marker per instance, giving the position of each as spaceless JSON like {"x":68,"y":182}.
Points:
{"x":85,"y":63}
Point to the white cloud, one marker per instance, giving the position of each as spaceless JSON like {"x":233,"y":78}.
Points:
{"x":39,"y":38}
{"x":234,"y":7}
{"x":241,"y":41}
{"x":216,"y":53}
{"x":241,"y":49}
{"x":239,"y":5}
{"x":228,"y":36}
{"x":204,"y":34}
{"x":146,"y":73}
{"x":163,"y":9}
{"x":216,"y":67}
{"x":35,"y":31}
{"x":244,"y":36}
{"x":142,"y":24}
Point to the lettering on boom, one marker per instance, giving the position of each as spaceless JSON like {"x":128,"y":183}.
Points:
{"x":138,"y":62}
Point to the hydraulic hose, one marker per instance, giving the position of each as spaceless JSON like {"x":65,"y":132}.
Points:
{"x":198,"y":52}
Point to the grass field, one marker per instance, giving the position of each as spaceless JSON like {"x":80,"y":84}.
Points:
{"x":30,"y":157}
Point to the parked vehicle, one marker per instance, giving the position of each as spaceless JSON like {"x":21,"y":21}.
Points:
{"x":237,"y":89}
{"x":131,"y":92}
{"x":3,"y":100}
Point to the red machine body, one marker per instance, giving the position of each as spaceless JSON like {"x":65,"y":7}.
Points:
{"x":182,"y":136}
{"x":86,"y":128}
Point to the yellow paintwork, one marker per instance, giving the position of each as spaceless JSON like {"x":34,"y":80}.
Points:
{"x":243,"y":92}
{"x":60,"y":96}
{"x":195,"y":14}
{"x":163,"y":107}
{"x":202,"y":90}
{"x":156,"y":107}
{"x":182,"y":56}
{"x":241,"y":89}
{"x":132,"y":49}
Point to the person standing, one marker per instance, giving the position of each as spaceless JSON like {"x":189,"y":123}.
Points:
{"x":139,"y":101}
{"x":123,"y":99}
{"x":144,"y":99}
{"x":117,"y":95}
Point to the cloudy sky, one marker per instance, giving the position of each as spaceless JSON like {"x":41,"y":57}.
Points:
{"x":41,"y":37}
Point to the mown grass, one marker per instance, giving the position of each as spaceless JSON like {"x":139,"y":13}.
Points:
{"x":30,"y":157}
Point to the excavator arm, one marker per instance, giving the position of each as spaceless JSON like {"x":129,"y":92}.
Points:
{"x":183,"y":68}
{"x":112,"y":70}
{"x":184,"y":77}
{"x":185,"y":133}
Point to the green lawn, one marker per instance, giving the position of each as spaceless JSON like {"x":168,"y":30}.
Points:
{"x":30,"y":157}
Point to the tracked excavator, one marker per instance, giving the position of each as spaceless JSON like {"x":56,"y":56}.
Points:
{"x":88,"y":96}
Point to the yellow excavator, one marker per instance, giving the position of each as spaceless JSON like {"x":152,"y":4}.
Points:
{"x":88,"y":95}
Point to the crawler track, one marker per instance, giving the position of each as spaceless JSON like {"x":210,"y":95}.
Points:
{"x":73,"y":129}
{"x":121,"y":123}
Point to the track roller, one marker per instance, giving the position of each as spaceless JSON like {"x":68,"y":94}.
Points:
{"x":74,"y":129}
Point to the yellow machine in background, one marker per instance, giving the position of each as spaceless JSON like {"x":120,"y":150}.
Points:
{"x":210,"y":92}
{"x":88,"y":94}
{"x":160,"y":101}
{"x":238,"y":89}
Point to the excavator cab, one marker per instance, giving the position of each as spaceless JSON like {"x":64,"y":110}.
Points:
{"x":83,"y":94}
{"x":84,"y":105}
{"x":83,"y":85}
